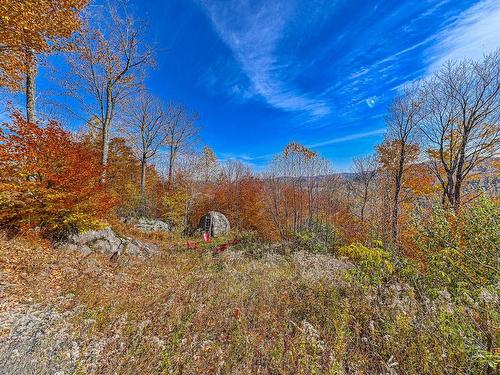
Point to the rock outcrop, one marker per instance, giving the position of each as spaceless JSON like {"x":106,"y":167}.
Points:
{"x":149,"y":225}
{"x":152,"y":225}
{"x":219,"y":223}
{"x":37,"y":340}
{"x":107,"y":242}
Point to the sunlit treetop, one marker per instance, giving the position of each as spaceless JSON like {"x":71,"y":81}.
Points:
{"x":36,"y":26}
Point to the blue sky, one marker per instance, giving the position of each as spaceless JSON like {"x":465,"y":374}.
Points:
{"x":264,"y":73}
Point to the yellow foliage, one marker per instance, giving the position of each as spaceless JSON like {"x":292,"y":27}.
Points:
{"x":374,"y":260}
{"x":174,"y":203}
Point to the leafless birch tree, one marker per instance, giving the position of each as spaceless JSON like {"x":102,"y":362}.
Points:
{"x":181,"y":131}
{"x":108,"y":66}
{"x":145,"y":131}
{"x":405,"y":116}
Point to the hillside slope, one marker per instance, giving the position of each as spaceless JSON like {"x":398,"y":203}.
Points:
{"x":189,"y":312}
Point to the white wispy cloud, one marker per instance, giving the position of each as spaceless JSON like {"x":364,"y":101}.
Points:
{"x":253,"y":160}
{"x":253,"y":33}
{"x":224,"y":157}
{"x":473,"y":33}
{"x":350,"y":137}
{"x":360,"y":73}
{"x":398,"y":54}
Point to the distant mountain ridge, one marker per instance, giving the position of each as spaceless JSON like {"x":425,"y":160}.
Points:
{"x":485,"y":177}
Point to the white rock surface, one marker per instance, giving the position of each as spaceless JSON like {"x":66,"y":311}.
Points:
{"x":107,"y":242}
{"x":152,"y":225}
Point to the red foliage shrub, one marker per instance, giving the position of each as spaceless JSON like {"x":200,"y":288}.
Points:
{"x":48,"y":179}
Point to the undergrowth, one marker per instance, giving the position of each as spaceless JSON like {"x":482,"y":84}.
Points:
{"x":194,"y":312}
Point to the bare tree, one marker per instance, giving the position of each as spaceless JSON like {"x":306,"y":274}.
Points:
{"x":234,"y":171}
{"x":181,"y":131}
{"x":295,"y":181}
{"x":145,"y":130}
{"x":404,"y":118}
{"x":462,"y":124}
{"x":108,"y":65}
{"x":208,"y":168}
{"x":365,"y":171}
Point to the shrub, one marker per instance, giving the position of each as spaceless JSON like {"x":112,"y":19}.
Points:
{"x":174,"y":204}
{"x":253,"y":245}
{"x":463,"y":262}
{"x":373,"y":263}
{"x":317,"y":237}
{"x":48,"y":179}
{"x":462,"y":249}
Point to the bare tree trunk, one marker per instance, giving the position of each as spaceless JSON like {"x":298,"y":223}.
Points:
{"x":395,"y":210}
{"x":105,"y":145}
{"x":397,"y":191}
{"x":143,"y":185}
{"x":106,"y":131}
{"x":457,"y":192}
{"x":105,"y":149}
{"x":31,"y":71}
{"x":171,"y":158}
{"x":443,"y":197}
{"x":450,"y":188}
{"x":363,"y":206}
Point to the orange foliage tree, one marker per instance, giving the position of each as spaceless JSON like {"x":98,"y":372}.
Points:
{"x":242,"y":202}
{"x":28,"y":28}
{"x":48,"y":179}
{"x":123,"y":177}
{"x":240,"y":196}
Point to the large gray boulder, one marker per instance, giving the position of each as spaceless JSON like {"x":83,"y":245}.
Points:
{"x":219,"y":223}
{"x":107,"y":242}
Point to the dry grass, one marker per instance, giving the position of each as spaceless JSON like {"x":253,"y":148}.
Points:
{"x":188,"y":312}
